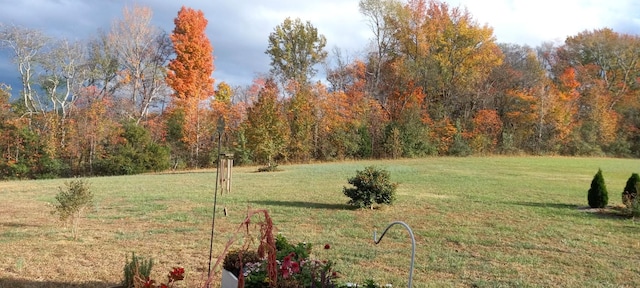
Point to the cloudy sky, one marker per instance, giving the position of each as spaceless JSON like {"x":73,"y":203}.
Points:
{"x":239,"y":29}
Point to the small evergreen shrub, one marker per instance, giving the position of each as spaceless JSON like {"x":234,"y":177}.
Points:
{"x":73,"y":202}
{"x":630,"y":192}
{"x":139,"y":267}
{"x":635,"y":205}
{"x":597,"y":195}
{"x":372,"y":185}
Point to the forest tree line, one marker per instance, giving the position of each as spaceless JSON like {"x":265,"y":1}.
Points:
{"x":432,"y":81}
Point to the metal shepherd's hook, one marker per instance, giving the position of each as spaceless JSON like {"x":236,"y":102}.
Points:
{"x":413,"y":244}
{"x":215,"y":193}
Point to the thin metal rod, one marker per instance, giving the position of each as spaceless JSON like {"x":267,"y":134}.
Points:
{"x":215,"y":200}
{"x":413,"y":245}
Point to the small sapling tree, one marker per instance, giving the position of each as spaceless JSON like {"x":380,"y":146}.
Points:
{"x":597,"y":195}
{"x":371,"y":185}
{"x":73,"y":201}
{"x":630,"y":192}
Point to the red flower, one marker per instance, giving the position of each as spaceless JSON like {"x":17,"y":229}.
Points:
{"x":295,"y":267}
{"x":285,"y":272}
{"x":327,"y":246}
{"x":177,"y":274}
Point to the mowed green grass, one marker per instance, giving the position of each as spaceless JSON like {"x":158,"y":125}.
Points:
{"x":478,"y":222}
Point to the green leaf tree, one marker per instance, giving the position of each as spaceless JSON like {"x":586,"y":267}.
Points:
{"x":295,"y":48}
{"x":597,"y":196}
{"x":266,"y":129}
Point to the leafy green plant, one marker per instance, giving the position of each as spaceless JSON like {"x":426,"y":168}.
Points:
{"x":73,"y":201}
{"x":372,"y":185}
{"x":284,"y":248}
{"x":630,"y":192}
{"x":597,"y":195}
{"x":137,"y":266}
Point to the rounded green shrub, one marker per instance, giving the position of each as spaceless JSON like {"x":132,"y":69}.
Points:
{"x":597,"y":196}
{"x":372,"y":185}
{"x":630,"y":190}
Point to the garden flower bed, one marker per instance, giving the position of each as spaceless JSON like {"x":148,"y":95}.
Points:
{"x":277,"y":263}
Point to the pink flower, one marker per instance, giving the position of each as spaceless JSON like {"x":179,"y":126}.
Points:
{"x":295,"y":267}
{"x":285,"y":272}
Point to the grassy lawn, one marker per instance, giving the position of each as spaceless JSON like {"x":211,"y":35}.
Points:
{"x":478,"y":222}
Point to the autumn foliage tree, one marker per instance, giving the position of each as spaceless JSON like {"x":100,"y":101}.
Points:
{"x":350,"y":123}
{"x":487,"y":127}
{"x":445,"y":51}
{"x":301,"y":116}
{"x":190,"y":75}
{"x":432,"y":81}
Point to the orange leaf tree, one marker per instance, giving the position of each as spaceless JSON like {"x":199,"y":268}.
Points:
{"x":190,"y":75}
{"x":486,"y":131}
{"x":445,"y":51}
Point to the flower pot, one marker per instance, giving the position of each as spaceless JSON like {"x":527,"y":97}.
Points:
{"x":229,"y":280}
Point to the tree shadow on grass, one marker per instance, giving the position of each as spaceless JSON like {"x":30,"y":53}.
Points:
{"x":303,"y":204}
{"x":544,"y":205}
{"x":23,"y":283}
{"x":609,"y":212}
{"x":16,"y":225}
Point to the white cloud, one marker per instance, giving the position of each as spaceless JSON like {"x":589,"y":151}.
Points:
{"x":239,"y":30}
{"x":533,"y":22}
